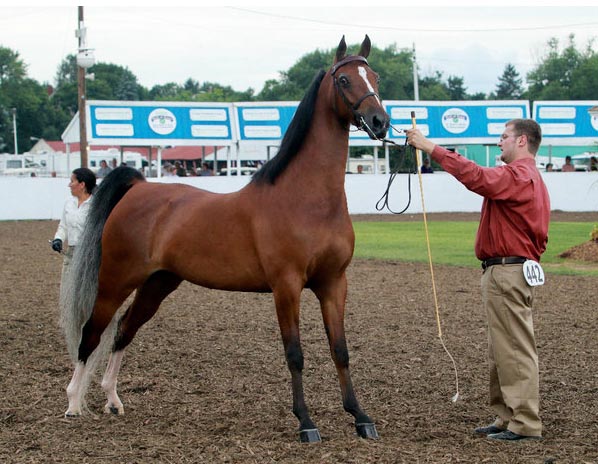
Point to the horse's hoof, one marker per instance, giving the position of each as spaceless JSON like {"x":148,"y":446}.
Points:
{"x":367,"y":431}
{"x":71,"y":415}
{"x":309,"y":436}
{"x":116,"y":410}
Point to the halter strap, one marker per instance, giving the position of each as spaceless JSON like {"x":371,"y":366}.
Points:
{"x":358,"y":120}
{"x":346,"y":60}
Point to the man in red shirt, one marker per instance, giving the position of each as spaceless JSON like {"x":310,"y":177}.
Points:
{"x":513,"y":230}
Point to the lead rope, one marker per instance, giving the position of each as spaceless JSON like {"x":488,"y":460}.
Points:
{"x":418,"y":162}
{"x":384,"y":199}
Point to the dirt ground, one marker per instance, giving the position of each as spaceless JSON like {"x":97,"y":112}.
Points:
{"x":205,"y":381}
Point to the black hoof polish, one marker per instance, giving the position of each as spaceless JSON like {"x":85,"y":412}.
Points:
{"x":309,"y":436}
{"x":367,"y":431}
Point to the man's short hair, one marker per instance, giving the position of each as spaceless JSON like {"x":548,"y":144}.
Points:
{"x":531,"y":129}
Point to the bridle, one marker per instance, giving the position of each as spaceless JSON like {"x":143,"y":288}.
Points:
{"x":361,"y":124}
{"x":353,"y":107}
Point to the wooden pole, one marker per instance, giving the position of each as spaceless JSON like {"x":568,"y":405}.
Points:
{"x":81,"y":93}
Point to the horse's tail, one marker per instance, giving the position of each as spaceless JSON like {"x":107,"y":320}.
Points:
{"x":78,"y":297}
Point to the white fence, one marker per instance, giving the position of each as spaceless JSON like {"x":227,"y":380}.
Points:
{"x":43,"y":198}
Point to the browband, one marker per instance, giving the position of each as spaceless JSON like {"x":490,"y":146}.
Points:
{"x":346,"y":60}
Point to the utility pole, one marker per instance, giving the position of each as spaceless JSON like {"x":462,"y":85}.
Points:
{"x":14,"y":129}
{"x":415,"y":78}
{"x":81,"y":92}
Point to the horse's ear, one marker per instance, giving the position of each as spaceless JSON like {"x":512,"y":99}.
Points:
{"x":341,"y":50}
{"x":366,"y":46}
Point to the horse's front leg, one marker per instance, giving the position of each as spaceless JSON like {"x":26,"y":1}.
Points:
{"x":286,"y":298}
{"x":114,"y":404}
{"x":332,"y":297}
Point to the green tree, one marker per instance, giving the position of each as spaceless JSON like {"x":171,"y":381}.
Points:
{"x":12,"y":68}
{"x":432,"y":88}
{"x":456,"y":89}
{"x":110,"y":82}
{"x":395,"y":68}
{"x":211,"y":91}
{"x":28,"y":98}
{"x":584,"y":79}
{"x":509,"y":85}
{"x":294,"y":82}
{"x":563,"y":75}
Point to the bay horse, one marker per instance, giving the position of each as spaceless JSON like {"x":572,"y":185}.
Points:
{"x":286,"y":230}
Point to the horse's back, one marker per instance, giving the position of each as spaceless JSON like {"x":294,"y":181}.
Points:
{"x":201,"y":236}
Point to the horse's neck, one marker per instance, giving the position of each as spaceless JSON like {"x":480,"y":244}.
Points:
{"x":321,"y":164}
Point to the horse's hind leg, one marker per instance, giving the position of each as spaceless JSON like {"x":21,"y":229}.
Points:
{"x":106,"y":305}
{"x":332,"y":298}
{"x":286,"y":298}
{"x":147,"y":301}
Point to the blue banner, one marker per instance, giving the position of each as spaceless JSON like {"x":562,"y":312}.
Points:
{"x":567,"y":122}
{"x":153,"y":123}
{"x":474,"y":122}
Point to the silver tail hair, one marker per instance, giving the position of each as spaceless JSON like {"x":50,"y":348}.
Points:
{"x":78,"y":296}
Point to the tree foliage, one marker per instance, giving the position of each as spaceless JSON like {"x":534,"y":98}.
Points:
{"x":395,"y":68}
{"x":26,"y":97}
{"x":567,"y":74}
{"x":510,"y":84}
{"x":562,"y":74}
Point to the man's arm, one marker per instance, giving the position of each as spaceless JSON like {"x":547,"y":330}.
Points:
{"x":416,"y":139}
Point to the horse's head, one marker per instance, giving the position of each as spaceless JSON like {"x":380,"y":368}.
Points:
{"x":356,"y":87}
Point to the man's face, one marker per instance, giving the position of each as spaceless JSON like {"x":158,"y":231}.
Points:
{"x":508,"y":143}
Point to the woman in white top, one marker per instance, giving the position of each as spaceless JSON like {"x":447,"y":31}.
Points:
{"x":82,"y":184}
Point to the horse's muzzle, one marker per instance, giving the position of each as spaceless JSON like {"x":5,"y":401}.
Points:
{"x":376,"y":124}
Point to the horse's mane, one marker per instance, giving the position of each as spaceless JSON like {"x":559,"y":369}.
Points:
{"x":294,"y":136}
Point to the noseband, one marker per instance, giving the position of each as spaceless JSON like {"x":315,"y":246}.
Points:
{"x":358,"y":118}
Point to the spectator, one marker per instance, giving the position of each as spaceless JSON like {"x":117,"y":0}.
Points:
{"x":426,"y":167}
{"x":104,"y":169}
{"x":359,"y":169}
{"x":593,"y":164}
{"x":113,"y":163}
{"x":179,"y":169}
{"x":82,"y":185}
{"x":549,"y":167}
{"x":568,"y":167}
{"x":168,"y":170}
{"x":205,"y":170}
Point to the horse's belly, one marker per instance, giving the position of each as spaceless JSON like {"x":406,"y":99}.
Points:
{"x":222,"y":272}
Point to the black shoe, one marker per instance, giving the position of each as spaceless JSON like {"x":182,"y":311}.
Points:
{"x":489,"y":429}
{"x":507,"y":435}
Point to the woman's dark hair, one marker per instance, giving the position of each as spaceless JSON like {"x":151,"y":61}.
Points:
{"x":87,"y":177}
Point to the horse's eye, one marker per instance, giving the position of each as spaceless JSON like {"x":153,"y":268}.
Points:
{"x":344,"y":81}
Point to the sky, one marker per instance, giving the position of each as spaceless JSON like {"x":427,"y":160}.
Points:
{"x":245,"y":44}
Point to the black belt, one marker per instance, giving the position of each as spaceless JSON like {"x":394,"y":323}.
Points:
{"x":505,"y":260}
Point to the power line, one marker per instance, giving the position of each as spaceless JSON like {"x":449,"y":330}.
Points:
{"x":403,"y":28}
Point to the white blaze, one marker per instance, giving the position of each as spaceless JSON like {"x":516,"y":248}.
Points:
{"x":364,"y":75}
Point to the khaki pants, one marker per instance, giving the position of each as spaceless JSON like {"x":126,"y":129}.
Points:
{"x":512,"y":353}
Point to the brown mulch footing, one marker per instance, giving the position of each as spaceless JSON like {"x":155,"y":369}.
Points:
{"x":205,"y":381}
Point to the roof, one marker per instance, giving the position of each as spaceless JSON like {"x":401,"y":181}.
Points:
{"x":171,"y":153}
{"x":186,"y":153}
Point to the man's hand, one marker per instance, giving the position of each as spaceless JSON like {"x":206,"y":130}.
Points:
{"x":57,"y":245}
{"x":417,"y":140}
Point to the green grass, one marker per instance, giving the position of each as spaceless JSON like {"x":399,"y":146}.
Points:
{"x":452,"y":243}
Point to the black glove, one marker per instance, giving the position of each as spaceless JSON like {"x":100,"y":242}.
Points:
{"x":57,"y":245}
